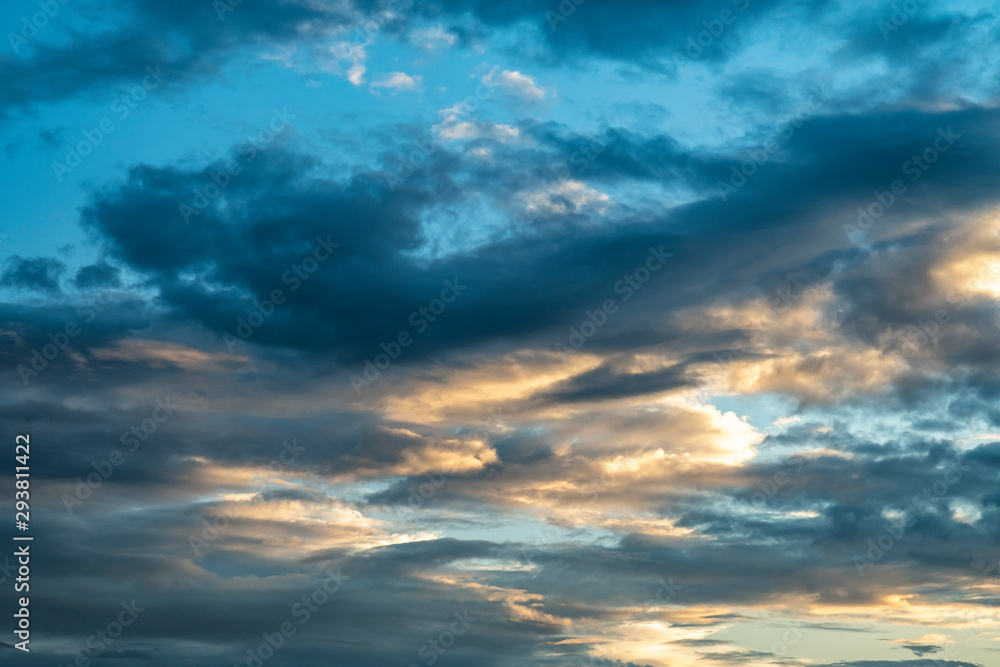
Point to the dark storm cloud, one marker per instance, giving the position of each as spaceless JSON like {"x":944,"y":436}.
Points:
{"x":886,"y":477}
{"x":41,"y":342}
{"x":614,"y":155}
{"x":660,"y":35}
{"x":390,"y":603}
{"x":101,"y":274}
{"x":186,"y":38}
{"x":839,"y":160}
{"x":369,"y":289}
{"x":832,"y":166}
{"x":603,"y":383}
{"x":192,"y":39}
{"x":920,"y":650}
{"x":906,"y":481}
{"x":924,"y":48}
{"x":639,"y":31}
{"x":39,"y":274}
{"x":883,"y":481}
{"x":620,"y":576}
{"x":167,"y":462}
{"x":382,"y":615}
{"x":725,"y":504}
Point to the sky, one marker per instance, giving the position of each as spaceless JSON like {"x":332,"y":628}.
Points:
{"x":563,"y":334}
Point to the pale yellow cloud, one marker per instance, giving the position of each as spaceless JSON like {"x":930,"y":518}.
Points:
{"x":159,"y":353}
{"x":970,"y":267}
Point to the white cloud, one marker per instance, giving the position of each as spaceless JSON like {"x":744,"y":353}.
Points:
{"x":564,"y":197}
{"x":521,"y":85}
{"x":357,"y":74}
{"x":470,"y":130}
{"x":342,"y":53}
{"x":453,"y":127}
{"x":397,"y":81}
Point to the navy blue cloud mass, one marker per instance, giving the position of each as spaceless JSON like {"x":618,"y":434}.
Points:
{"x":569,"y":333}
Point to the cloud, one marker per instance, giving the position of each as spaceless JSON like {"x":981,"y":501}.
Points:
{"x":40,"y":274}
{"x":186,"y":39}
{"x":921,"y":650}
{"x":357,"y":74}
{"x":397,"y":81}
{"x":101,"y":274}
{"x":521,"y":85}
{"x":433,"y":37}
